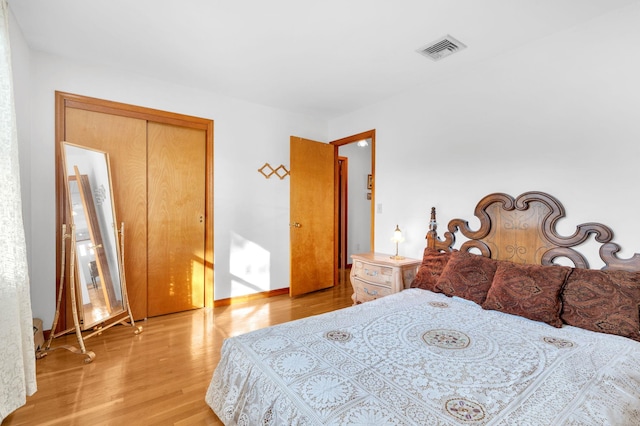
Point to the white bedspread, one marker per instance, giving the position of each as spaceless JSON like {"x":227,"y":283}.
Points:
{"x":420,"y":358}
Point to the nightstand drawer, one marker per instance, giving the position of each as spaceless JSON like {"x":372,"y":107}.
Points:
{"x":366,"y":291}
{"x":373,"y":273}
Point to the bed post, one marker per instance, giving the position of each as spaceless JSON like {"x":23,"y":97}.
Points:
{"x":432,"y":234}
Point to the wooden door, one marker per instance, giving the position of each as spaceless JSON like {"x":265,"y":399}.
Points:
{"x":312,"y":216}
{"x":125,"y":139}
{"x":176,"y":161}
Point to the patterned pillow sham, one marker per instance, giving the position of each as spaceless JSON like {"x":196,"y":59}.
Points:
{"x":603,"y":301}
{"x":433,"y":263}
{"x":531,"y":291}
{"x":467,"y":275}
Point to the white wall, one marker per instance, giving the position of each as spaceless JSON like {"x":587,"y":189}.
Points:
{"x":560,"y":115}
{"x":246,"y":135}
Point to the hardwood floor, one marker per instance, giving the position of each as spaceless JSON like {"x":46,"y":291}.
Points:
{"x":160,"y":376}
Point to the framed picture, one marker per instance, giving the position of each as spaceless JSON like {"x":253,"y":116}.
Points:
{"x":369,"y":181}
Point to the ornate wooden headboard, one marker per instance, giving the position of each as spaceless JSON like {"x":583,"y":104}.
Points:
{"x":523,"y":230}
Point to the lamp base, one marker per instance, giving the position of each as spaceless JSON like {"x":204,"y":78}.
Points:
{"x":396,"y":257}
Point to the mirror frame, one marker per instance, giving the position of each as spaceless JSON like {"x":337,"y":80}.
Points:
{"x":112,"y":261}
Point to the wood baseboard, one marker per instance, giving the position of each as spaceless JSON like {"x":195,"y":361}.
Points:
{"x":244,"y":299}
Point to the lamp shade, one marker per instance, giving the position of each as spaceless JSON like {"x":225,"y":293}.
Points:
{"x":397,"y":235}
{"x":397,"y":238}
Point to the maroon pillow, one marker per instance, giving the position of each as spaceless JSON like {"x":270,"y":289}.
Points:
{"x":603,"y":301}
{"x":467,"y":275}
{"x":433,"y":262}
{"x":531,"y":291}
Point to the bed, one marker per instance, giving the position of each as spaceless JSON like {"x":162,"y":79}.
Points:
{"x":494,"y":332}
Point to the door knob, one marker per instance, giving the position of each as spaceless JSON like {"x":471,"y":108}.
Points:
{"x":295,"y":225}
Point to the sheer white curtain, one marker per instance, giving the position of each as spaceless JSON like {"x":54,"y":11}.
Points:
{"x":17,"y":358}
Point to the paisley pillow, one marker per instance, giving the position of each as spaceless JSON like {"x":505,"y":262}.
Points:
{"x":531,"y":291}
{"x":467,"y":275}
{"x":603,"y":301}
{"x":433,"y":263}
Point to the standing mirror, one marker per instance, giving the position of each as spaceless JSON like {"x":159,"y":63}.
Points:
{"x":98,"y":276}
{"x":95,"y":268}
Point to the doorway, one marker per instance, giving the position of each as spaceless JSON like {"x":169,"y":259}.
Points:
{"x":356,"y":197}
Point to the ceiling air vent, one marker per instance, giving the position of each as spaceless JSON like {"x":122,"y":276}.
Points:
{"x":441,"y":48}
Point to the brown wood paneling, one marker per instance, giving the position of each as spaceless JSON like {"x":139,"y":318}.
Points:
{"x":176,"y":213}
{"x":125,"y":140}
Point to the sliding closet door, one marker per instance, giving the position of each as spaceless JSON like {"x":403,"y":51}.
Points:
{"x":125,"y":139}
{"x":176,"y":218}
{"x":162,"y":171}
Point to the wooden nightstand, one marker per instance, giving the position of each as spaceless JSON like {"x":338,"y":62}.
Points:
{"x":375,"y":275}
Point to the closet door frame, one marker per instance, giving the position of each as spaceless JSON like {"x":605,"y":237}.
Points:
{"x":68,"y":100}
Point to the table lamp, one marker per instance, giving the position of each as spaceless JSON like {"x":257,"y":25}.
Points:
{"x":397,"y":238}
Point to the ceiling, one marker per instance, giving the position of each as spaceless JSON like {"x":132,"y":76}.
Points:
{"x":321,"y":58}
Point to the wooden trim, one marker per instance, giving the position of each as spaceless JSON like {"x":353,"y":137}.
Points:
{"x":354,"y":138}
{"x":116,"y":108}
{"x":249,"y":297}
{"x":61,"y":206}
{"x":373,"y":190}
{"x":336,"y":203}
{"x":343,"y":206}
{"x":209,"y":231}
